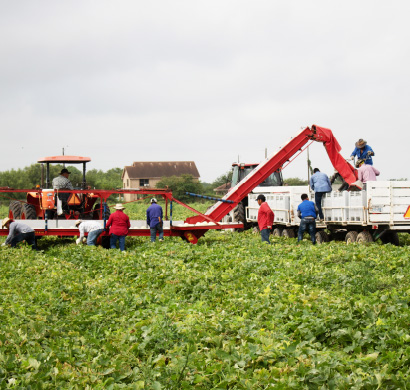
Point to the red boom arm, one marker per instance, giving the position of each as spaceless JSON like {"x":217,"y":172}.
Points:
{"x":265,"y":169}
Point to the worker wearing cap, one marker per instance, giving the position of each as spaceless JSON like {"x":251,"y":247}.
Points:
{"x":307,"y":212}
{"x":119,"y":223}
{"x":265,"y":218}
{"x":363,"y":152}
{"x":154,"y":220}
{"x":18,"y":232}
{"x":93,"y":228}
{"x":62,"y":181}
{"x":366,"y":172}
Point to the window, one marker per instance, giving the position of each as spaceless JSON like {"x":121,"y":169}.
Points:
{"x":144,"y":182}
{"x":128,"y":183}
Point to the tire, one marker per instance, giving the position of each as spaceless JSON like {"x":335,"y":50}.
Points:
{"x":28,"y":211}
{"x":96,"y":212}
{"x":351,"y":237}
{"x":15,"y":209}
{"x":364,"y":236}
{"x":277,"y":232}
{"x":239,"y":216}
{"x":288,"y":233}
{"x":105,"y":242}
{"x":390,"y":237}
{"x":322,"y":237}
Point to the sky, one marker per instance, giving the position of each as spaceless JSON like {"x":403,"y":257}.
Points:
{"x":205,"y":81}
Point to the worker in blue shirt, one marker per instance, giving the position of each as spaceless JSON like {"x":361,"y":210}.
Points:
{"x":154,"y":220}
{"x":363,"y":152}
{"x":307,"y":212}
{"x":320,"y":183}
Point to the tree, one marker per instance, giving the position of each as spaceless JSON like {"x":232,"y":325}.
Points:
{"x":295,"y":181}
{"x":223,"y":179}
{"x":179,"y":185}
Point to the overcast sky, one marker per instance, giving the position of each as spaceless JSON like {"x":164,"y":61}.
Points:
{"x":208,"y":81}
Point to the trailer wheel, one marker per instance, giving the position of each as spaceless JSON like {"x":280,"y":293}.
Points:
{"x":15,"y":209}
{"x":351,"y":237}
{"x":28,"y":211}
{"x":322,"y":237}
{"x":364,"y":236}
{"x":288,"y":233}
{"x":390,"y":237}
{"x":277,"y":232}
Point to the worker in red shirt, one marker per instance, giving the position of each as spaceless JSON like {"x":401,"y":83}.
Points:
{"x":265,"y":218}
{"x":119,"y":224}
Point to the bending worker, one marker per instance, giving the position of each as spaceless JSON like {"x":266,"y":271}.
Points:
{"x":94,"y":229}
{"x":363,"y":152}
{"x":18,"y":232}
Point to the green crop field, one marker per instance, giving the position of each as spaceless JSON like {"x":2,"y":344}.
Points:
{"x":228,"y":313}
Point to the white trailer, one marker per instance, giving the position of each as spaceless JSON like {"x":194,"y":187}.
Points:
{"x":378,"y":211}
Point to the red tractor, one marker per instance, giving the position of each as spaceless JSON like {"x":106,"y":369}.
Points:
{"x":41,"y":202}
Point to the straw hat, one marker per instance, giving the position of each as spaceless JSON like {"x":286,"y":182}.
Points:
{"x":361,"y":143}
{"x":78,"y":222}
{"x":5,"y":222}
{"x":119,"y":206}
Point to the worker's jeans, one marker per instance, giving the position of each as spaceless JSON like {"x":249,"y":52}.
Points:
{"x":318,"y":201}
{"x":92,"y":236}
{"x":113,"y":242}
{"x":154,"y":230}
{"x":265,"y":235}
{"x":30,"y":238}
{"x":308,"y":224}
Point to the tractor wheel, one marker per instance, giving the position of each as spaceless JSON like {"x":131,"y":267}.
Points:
{"x":364,"y":236}
{"x":351,"y":237}
{"x":277,"y":232}
{"x":28,"y":211}
{"x":322,"y":237}
{"x":288,"y":233}
{"x":15,"y":209}
{"x":96,"y":212}
{"x":390,"y":237}
{"x":239,"y":216}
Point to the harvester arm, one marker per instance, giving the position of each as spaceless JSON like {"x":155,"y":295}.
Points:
{"x":266,"y":168}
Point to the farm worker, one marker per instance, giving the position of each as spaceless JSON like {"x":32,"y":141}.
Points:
{"x":18,"y":232}
{"x":363,"y":152}
{"x":336,"y":175}
{"x":320,"y":183}
{"x":366,"y":172}
{"x":94,"y":229}
{"x":119,"y":223}
{"x":307,"y":212}
{"x":154,"y":220}
{"x":265,"y":218}
{"x":62,"y":182}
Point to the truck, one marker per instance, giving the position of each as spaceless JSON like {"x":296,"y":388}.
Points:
{"x":362,"y":213}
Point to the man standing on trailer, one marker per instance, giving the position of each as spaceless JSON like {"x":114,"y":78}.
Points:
{"x":265,"y":218}
{"x":154,"y":220}
{"x":363,"y":152}
{"x":94,"y":229}
{"x":18,"y":232}
{"x":320,"y":183}
{"x":119,"y":223}
{"x":366,"y":172}
{"x":307,"y":212}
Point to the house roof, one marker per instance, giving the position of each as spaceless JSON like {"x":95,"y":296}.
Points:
{"x":223,"y":187}
{"x":158,"y":169}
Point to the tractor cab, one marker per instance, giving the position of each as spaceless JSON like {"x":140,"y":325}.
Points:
{"x":241,"y":170}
